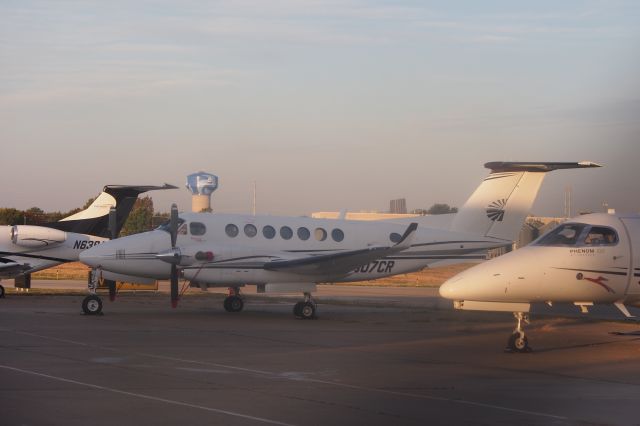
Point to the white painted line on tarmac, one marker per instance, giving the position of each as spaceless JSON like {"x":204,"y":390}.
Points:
{"x":148,"y":397}
{"x":360,"y":388}
{"x":324,"y":382}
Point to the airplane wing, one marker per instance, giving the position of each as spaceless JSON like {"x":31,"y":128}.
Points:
{"x":343,"y":262}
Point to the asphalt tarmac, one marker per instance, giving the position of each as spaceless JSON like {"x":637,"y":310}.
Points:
{"x":390,"y":356}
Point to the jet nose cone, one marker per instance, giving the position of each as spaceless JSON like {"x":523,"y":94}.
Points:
{"x":450,"y":288}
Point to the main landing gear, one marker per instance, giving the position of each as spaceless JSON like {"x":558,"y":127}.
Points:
{"x":305,"y":309}
{"x":518,"y":341}
{"x":233,"y":302}
{"x":1,"y":291}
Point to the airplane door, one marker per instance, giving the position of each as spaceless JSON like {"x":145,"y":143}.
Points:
{"x":632,"y":226}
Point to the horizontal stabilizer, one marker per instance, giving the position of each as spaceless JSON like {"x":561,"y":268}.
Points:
{"x":527,"y":166}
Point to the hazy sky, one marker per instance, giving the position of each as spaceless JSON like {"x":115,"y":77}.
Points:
{"x":325,"y":104}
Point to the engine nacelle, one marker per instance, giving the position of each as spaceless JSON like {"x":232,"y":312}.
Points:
{"x":31,"y":236}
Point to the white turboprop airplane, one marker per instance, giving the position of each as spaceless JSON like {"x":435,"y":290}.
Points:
{"x":294,"y":253}
{"x":591,"y":259}
{"x":25,"y":249}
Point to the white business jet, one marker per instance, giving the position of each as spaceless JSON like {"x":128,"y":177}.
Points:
{"x":591,"y":259}
{"x":294,"y":253}
{"x":25,"y":249}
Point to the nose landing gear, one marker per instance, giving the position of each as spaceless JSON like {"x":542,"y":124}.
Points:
{"x":233,"y":302}
{"x":92,"y":304}
{"x":518,"y":342}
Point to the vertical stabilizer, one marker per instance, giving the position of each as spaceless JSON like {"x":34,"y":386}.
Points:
{"x":94,"y":220}
{"x":503,"y":200}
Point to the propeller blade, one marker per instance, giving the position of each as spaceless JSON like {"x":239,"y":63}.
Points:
{"x":173,"y":225}
{"x":174,"y":286}
{"x":113,"y":223}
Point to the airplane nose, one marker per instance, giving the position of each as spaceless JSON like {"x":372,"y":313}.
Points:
{"x":135,"y":255}
{"x":450,"y":288}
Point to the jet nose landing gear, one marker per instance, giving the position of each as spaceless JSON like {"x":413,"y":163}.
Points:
{"x":518,"y":342}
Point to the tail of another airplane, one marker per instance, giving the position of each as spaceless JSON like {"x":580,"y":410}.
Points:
{"x":503,"y":200}
{"x":94,"y":220}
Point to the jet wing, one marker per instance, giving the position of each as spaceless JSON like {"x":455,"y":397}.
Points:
{"x":343,"y":262}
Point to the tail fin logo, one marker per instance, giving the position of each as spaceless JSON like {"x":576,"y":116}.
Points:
{"x":495,"y":210}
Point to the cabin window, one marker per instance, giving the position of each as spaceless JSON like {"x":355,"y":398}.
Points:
{"x":601,"y":236}
{"x":567,"y":234}
{"x":395,"y":237}
{"x":269,"y":232}
{"x":231,"y":230}
{"x":320,"y":234}
{"x":286,"y":233}
{"x":303,"y":233}
{"x":250,"y":230}
{"x":197,"y":228}
{"x":337,"y":235}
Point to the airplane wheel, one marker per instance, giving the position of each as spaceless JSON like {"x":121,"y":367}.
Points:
{"x":92,"y":305}
{"x":518,"y":342}
{"x":297,"y":309}
{"x":1,"y":291}
{"x":233,"y":304}
{"x":308,"y":310}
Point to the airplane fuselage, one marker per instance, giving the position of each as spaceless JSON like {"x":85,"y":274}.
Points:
{"x":241,"y":245}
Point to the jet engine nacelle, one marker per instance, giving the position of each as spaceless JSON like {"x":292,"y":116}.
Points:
{"x":30,"y":236}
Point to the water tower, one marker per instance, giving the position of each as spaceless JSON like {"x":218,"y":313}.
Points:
{"x":201,"y":185}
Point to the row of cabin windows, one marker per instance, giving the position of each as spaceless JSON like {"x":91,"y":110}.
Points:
{"x":269,"y":232}
{"x":286,"y":233}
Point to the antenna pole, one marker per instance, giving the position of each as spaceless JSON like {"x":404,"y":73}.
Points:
{"x":254,"y":198}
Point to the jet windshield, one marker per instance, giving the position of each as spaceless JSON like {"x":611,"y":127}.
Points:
{"x":579,"y":234}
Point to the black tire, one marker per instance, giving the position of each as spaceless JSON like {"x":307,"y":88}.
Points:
{"x":518,"y":342}
{"x":1,"y":291}
{"x":235,"y":304}
{"x":92,"y":305}
{"x":307,"y":310}
{"x":297,"y":309}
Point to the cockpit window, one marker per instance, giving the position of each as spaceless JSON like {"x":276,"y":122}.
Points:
{"x":567,"y":234}
{"x":601,"y":236}
{"x":197,"y":228}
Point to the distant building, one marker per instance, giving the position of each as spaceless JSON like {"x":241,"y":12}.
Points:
{"x":398,"y":206}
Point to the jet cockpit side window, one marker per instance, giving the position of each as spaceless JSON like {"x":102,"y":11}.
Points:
{"x":566,"y":234}
{"x":601,"y":236}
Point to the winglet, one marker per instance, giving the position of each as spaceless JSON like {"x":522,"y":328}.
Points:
{"x":526,"y":166}
{"x":407,"y":238}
